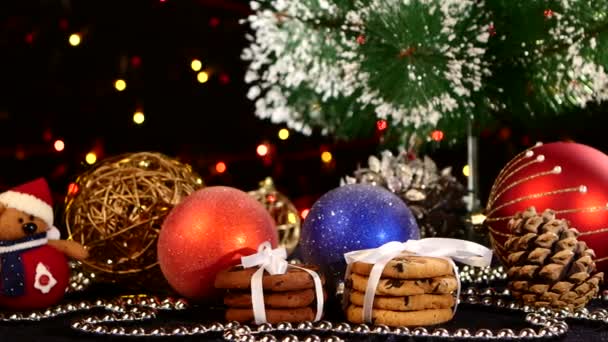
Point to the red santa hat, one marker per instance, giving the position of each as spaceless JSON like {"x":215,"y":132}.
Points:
{"x":33,"y":198}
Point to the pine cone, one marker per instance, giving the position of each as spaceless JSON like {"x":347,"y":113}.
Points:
{"x":548,"y":266}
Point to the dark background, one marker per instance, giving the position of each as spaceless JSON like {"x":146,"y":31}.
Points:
{"x":50,"y":90}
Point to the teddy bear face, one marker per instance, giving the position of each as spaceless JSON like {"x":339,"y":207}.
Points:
{"x":15,"y":224}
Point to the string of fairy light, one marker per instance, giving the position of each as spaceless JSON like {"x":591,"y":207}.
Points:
{"x":203,"y":76}
{"x":265,"y":150}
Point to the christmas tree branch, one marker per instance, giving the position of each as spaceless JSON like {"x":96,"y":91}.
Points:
{"x":413,"y":52}
{"x":318,"y":23}
{"x":421,"y":65}
{"x":564,"y":46}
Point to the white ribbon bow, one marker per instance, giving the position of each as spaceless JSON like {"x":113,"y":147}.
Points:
{"x":466,"y":252}
{"x":273,"y":261}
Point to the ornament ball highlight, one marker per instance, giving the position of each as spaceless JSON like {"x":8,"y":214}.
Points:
{"x":353,"y":217}
{"x":207,"y":232}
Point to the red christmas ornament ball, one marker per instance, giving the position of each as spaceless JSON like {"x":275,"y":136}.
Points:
{"x":45,"y":274}
{"x":210,"y":230}
{"x":570,"y":178}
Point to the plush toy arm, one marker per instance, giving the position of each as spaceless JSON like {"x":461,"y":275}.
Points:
{"x":70,"y":248}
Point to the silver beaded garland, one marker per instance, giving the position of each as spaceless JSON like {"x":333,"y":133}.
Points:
{"x":363,"y":329}
{"x":128,"y":309}
{"x":420,"y":331}
{"x":138,"y":307}
{"x":549,"y":326}
{"x":440,"y":332}
{"x":343,"y":327}
{"x":481,"y":275}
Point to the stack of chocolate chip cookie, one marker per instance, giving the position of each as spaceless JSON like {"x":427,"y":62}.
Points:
{"x":288,"y":297}
{"x":412,"y":291}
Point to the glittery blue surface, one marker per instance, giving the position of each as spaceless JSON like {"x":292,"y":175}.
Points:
{"x":353,"y":217}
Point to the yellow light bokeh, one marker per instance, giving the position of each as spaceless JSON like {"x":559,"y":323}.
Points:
{"x":196,"y":65}
{"x":283,"y":134}
{"x":91,"y":158}
{"x":139,"y":117}
{"x":262,"y":150}
{"x":291,"y":218}
{"x":466,"y":170}
{"x":326,"y":157}
{"x":120,"y":84}
{"x":74,"y":39}
{"x":202,"y":77}
{"x":59,"y":145}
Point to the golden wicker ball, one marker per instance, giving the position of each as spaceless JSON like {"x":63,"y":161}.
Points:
{"x":116,"y":210}
{"x":282,"y":211}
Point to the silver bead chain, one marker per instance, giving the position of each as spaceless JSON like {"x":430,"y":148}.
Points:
{"x":129,"y":309}
{"x":472,"y":295}
{"x":481,"y":275}
{"x":140,"y":308}
{"x":548,"y":327}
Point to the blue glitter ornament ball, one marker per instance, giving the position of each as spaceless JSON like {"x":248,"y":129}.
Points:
{"x":352,"y":217}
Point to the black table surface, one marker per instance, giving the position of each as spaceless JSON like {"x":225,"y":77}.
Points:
{"x":468,"y":316}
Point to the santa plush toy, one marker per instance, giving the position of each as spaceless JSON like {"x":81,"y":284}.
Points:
{"x":34,"y":271}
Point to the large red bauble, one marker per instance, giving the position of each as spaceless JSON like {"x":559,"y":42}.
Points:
{"x":210,"y":230}
{"x":53,"y":265}
{"x":570,"y":178}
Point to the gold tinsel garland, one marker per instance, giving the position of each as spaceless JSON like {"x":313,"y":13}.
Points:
{"x":116,"y":210}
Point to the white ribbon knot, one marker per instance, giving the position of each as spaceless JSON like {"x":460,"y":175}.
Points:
{"x":466,"y":252}
{"x":274,"y":262}
{"x":271,"y":260}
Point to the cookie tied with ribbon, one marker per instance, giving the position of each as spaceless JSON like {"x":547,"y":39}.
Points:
{"x":265,"y":288}
{"x":412,"y":283}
